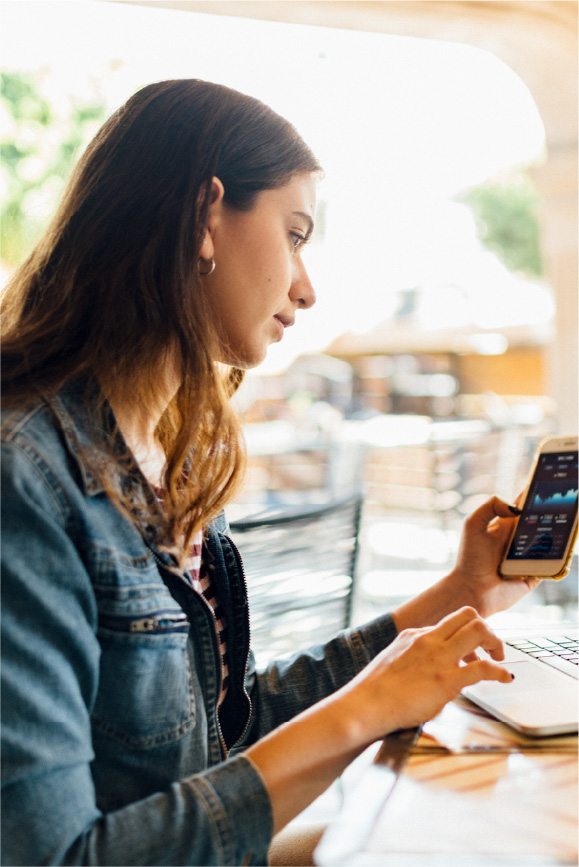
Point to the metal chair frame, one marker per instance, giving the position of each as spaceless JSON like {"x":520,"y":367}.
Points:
{"x":300,"y":563}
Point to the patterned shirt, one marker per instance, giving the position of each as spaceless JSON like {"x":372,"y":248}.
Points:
{"x":202,"y":583}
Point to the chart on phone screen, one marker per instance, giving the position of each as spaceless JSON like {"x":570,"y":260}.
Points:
{"x":549,"y":510}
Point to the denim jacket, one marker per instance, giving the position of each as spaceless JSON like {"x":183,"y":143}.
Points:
{"x":113,"y":752}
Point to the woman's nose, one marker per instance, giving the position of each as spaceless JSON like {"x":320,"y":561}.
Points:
{"x":301,"y":289}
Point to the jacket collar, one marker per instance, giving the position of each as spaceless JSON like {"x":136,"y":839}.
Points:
{"x":85,"y":431}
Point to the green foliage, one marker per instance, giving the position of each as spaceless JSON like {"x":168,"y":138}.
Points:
{"x":21,"y":96}
{"x":37,"y":152}
{"x":508,"y":223}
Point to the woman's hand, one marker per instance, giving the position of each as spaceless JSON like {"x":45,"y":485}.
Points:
{"x":412,"y":679}
{"x":409,"y":682}
{"x":475,"y":577}
{"x":475,"y":580}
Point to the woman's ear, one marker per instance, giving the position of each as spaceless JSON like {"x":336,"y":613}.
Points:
{"x":215,"y":212}
{"x":217,"y":191}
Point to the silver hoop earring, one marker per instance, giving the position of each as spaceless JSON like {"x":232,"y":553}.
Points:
{"x":211,"y":267}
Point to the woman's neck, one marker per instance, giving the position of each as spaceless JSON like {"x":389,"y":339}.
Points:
{"x":139,"y":434}
{"x":138,"y":421}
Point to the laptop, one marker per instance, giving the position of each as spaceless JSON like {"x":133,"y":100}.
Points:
{"x":543,"y":699}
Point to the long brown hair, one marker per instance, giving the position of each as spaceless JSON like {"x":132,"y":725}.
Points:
{"x":113,"y":285}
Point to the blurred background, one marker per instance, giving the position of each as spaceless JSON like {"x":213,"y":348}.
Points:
{"x":443,"y":346}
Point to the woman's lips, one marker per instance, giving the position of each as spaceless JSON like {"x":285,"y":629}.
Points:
{"x":284,"y":322}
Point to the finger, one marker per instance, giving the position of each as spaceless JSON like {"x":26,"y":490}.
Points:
{"x":476,"y":634}
{"x":498,"y":652}
{"x":498,"y":655}
{"x":455,"y":621}
{"x":491,"y":509}
{"x":484,"y":670}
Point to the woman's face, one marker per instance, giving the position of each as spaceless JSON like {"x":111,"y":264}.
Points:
{"x":259,"y":279}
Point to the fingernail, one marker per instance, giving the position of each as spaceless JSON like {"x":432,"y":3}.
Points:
{"x":515,"y":510}
{"x":512,"y":676}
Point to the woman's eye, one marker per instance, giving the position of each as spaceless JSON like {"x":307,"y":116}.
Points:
{"x":297,"y":240}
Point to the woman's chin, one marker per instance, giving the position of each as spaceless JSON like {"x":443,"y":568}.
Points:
{"x":244,"y":360}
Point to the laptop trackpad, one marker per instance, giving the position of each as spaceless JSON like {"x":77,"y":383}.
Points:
{"x":529,"y":678}
{"x":538,"y":701}
{"x":533,"y":677}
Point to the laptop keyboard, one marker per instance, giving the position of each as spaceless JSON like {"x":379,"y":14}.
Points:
{"x":561,"y":652}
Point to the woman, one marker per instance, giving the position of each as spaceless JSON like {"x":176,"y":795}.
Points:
{"x":136,"y":729}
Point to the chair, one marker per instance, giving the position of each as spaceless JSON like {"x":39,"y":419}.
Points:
{"x":300,"y":564}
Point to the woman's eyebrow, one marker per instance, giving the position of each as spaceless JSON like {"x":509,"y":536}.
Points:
{"x":308,"y":220}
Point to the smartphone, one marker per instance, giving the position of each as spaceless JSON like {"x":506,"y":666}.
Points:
{"x":545,"y":533}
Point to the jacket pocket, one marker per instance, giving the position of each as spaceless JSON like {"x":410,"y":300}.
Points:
{"x":145,"y":696}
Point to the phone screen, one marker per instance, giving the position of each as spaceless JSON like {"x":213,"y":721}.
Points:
{"x":549,"y":511}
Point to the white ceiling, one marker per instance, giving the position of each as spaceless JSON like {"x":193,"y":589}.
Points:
{"x":536,"y":39}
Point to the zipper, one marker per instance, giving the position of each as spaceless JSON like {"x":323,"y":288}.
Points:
{"x":156,"y":624}
{"x":241,"y":569}
{"x":214,"y":638}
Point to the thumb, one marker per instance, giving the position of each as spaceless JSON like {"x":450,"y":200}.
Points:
{"x":493,"y":508}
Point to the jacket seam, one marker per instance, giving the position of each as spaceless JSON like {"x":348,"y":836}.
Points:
{"x":11,"y":429}
{"x":356,"y":647}
{"x":44,"y":473}
{"x":216,"y":813}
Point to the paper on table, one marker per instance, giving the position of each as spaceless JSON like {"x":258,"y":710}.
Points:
{"x":462,"y":726}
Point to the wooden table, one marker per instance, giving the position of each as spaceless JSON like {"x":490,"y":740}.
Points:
{"x":467,"y":792}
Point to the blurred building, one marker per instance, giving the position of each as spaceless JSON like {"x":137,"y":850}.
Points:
{"x":413,"y":363}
